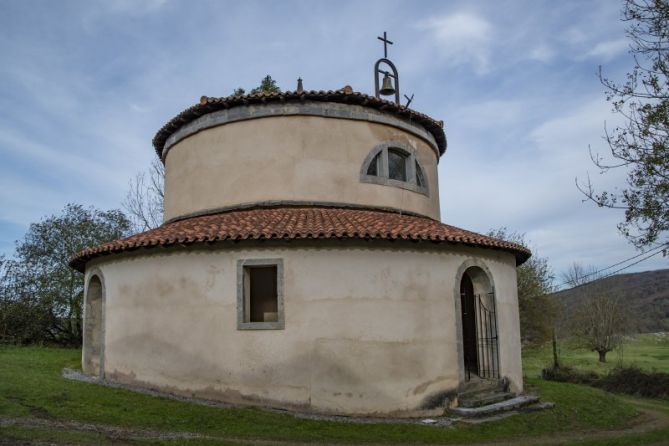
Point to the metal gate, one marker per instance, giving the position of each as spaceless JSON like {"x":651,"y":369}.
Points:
{"x":488,"y":348}
{"x":486,"y":362}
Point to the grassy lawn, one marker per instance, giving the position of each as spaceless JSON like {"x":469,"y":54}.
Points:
{"x":647,"y":351}
{"x":31,"y":387}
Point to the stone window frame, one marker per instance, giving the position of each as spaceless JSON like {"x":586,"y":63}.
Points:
{"x":383,"y":177}
{"x":241,"y":295}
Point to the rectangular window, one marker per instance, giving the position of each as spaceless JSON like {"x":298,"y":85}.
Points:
{"x":260,"y":294}
{"x":262,"y":298}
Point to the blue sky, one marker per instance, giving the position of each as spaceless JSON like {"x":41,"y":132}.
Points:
{"x":84,"y":86}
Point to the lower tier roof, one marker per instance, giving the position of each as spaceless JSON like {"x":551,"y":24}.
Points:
{"x":299,"y":223}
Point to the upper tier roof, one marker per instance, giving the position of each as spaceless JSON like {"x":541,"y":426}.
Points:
{"x":299,"y":223}
{"x":343,"y":96}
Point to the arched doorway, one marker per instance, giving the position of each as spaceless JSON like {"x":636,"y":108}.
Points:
{"x":479,"y":325}
{"x":93,"y":332}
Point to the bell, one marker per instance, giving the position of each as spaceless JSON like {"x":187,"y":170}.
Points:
{"x":387,"y":88}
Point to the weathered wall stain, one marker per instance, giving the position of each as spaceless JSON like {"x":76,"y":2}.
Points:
{"x":351,"y":344}
{"x":310,"y":162}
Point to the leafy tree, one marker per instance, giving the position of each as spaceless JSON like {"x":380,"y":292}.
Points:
{"x":40,"y":295}
{"x":641,"y":144}
{"x":535,"y":282}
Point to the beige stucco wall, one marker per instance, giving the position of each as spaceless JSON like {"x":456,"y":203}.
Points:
{"x":369,"y":328}
{"x":289,"y":158}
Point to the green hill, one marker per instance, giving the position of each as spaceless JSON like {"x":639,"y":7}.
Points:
{"x":647,"y":294}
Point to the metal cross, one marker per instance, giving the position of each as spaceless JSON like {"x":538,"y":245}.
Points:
{"x":385,"y":44}
{"x":409,"y":99}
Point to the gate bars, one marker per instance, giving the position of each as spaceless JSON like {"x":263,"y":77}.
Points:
{"x":487,"y":338}
{"x":487,"y":348}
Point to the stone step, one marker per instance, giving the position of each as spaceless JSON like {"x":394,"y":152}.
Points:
{"x":473,"y":389}
{"x":496,"y":408}
{"x":484,"y":399}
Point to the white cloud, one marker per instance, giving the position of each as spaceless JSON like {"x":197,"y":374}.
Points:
{"x":542,"y":53}
{"x":494,"y":114}
{"x":462,"y":38}
{"x":574,"y":36}
{"x":24,"y":199}
{"x":49,"y":157}
{"x":527,"y":182}
{"x":564,"y":139}
{"x":609,"y":49}
{"x":576,"y":124}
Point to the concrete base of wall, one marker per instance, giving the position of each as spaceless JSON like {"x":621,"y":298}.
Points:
{"x":295,"y":410}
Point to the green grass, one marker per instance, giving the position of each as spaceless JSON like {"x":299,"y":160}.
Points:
{"x":647,"y":351}
{"x":44,"y":435}
{"x":31,"y":386}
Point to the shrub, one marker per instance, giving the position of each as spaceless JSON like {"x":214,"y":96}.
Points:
{"x":630,"y":380}
{"x":569,"y":375}
{"x":634,"y":381}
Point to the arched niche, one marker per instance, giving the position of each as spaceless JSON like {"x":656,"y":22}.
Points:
{"x":93,"y":339}
{"x":476,"y":316}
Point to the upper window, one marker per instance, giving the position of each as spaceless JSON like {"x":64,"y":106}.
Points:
{"x":420,"y":176}
{"x":394,"y":164}
{"x":397,"y":164}
{"x":374,"y":167}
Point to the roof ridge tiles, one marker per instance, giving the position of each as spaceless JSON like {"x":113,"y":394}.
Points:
{"x":311,"y":222}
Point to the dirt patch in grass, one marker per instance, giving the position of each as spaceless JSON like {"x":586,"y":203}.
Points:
{"x":111,"y":432}
{"x":649,"y":425}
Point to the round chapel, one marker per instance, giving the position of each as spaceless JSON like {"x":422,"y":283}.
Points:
{"x":303,"y":264}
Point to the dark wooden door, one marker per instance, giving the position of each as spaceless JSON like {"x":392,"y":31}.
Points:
{"x":468,"y":307}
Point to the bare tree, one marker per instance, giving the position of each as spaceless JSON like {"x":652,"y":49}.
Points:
{"x":601,"y":318}
{"x":577,"y":275}
{"x":144,"y":202}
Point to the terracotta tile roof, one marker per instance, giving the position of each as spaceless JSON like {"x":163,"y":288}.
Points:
{"x":346,"y":96}
{"x":296,"y":223}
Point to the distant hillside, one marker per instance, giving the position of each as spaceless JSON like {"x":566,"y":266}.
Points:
{"x":647,"y":294}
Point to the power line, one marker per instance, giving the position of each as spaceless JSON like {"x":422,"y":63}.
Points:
{"x":621,"y":262}
{"x":657,"y":250}
{"x":632,"y":264}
